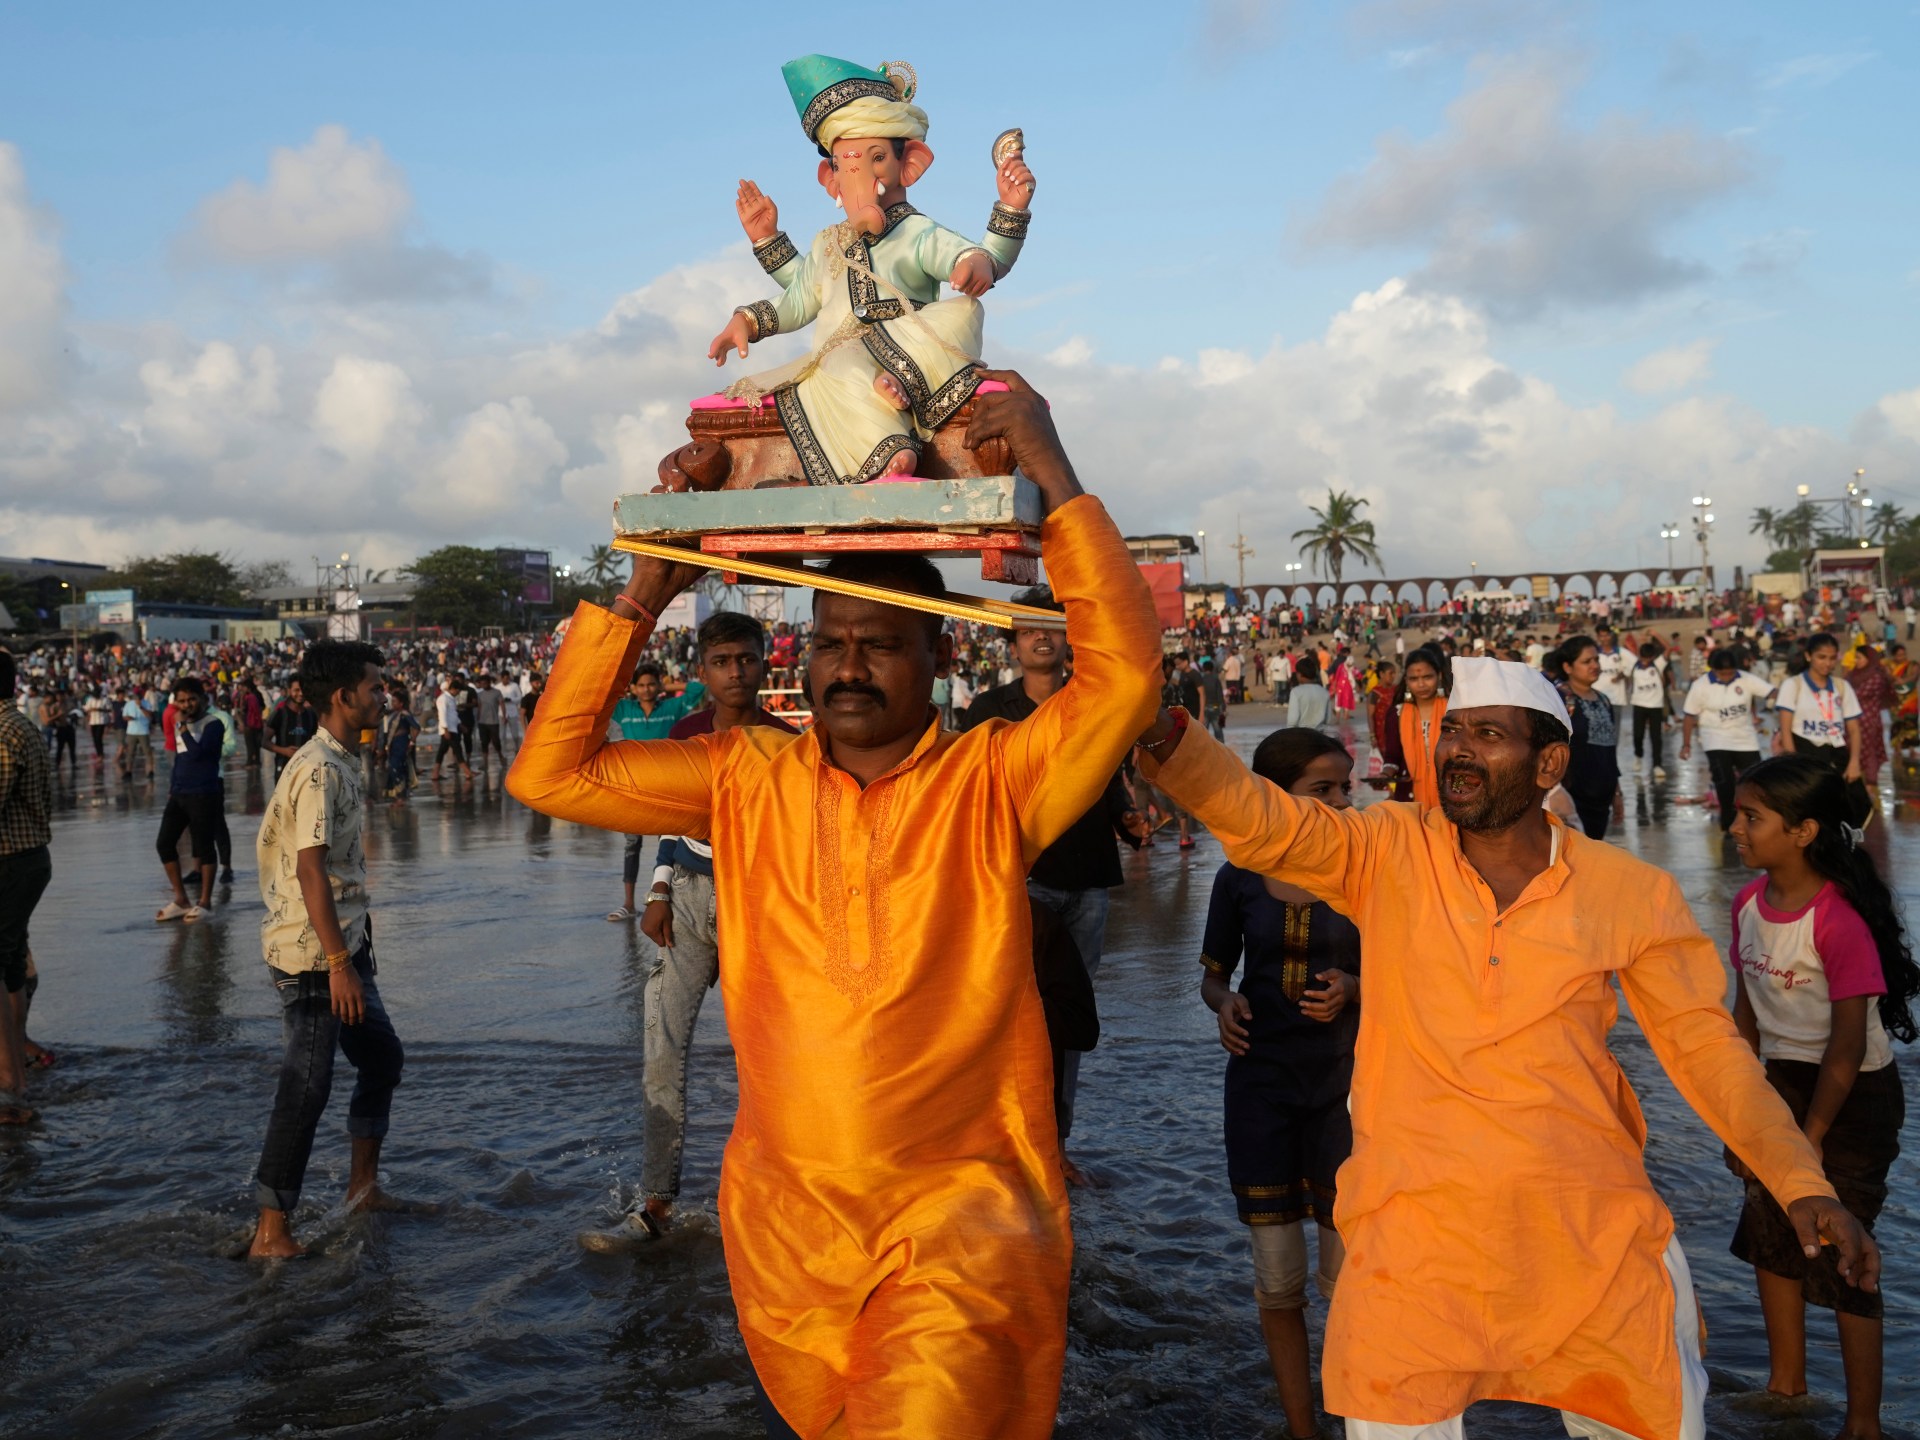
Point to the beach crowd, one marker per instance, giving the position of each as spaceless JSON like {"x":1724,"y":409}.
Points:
{"x":941,"y":810}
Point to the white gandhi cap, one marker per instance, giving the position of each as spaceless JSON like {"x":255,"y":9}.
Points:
{"x":1504,"y":682}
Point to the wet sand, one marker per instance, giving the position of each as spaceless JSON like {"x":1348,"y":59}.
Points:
{"x":122,"y":1315}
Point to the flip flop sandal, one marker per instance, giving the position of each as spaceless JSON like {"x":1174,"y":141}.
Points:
{"x":172,"y":910}
{"x":616,"y":916}
{"x":42,"y":1061}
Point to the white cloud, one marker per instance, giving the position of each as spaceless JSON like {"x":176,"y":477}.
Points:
{"x":1896,"y":416}
{"x":1813,"y":71}
{"x":329,"y":196}
{"x":1077,"y":350}
{"x":339,"y":206}
{"x":504,"y":454}
{"x":364,"y":407}
{"x":1518,"y":210}
{"x":314,"y":429}
{"x":202,"y":410}
{"x":32,"y":292}
{"x":1404,"y":400}
{"x":1675,"y":368}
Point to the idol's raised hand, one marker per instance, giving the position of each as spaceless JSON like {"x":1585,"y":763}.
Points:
{"x":1016,"y":183}
{"x":759,"y":216}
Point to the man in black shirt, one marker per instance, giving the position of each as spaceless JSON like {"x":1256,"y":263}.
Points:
{"x":1213,"y":696}
{"x":1072,"y":876}
{"x":289,"y":727}
{"x":1186,"y":688}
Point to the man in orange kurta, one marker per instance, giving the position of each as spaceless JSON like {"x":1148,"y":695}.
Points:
{"x":1503,"y":1240}
{"x":891,"y":1198}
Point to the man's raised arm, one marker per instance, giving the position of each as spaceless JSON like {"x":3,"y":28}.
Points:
{"x":566,"y":768}
{"x":1059,"y":760}
{"x":1262,"y":828}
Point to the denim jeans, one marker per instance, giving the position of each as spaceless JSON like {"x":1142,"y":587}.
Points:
{"x":1084,"y":913}
{"x":310,"y":1032}
{"x":676,"y":986}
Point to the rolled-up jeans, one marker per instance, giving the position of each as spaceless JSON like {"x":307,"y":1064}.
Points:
{"x":310,"y":1033}
{"x":1084,"y":913}
{"x":676,"y":986}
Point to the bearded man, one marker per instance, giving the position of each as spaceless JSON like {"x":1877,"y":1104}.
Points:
{"x":1503,"y":1240}
{"x":891,"y":1199}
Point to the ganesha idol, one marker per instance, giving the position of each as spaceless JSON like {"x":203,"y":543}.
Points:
{"x":891,"y":362}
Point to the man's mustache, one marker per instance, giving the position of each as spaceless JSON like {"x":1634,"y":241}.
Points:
{"x":1463,"y":767}
{"x":849,"y":687}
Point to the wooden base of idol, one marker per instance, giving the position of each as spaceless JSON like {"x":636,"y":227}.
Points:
{"x":768,"y":533}
{"x":735,"y":446}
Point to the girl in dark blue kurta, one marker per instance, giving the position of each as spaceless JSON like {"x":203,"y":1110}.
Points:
{"x":1289,"y":1032}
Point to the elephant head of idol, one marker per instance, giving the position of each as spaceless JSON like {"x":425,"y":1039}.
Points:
{"x":866,"y":174}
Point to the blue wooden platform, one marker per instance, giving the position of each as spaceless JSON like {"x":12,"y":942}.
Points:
{"x":996,"y":502}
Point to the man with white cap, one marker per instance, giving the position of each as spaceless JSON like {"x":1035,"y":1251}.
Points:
{"x":1503,"y":1240}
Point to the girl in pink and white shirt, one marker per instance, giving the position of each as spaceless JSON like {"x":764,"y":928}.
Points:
{"x":1824,"y":982}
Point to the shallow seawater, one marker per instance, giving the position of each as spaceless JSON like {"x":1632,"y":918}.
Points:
{"x":121,"y":1313}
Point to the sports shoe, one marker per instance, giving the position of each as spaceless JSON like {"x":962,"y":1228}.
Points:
{"x":1659,"y":772}
{"x":637,"y":1228}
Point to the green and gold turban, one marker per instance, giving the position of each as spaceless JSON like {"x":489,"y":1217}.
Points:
{"x":836,"y":98}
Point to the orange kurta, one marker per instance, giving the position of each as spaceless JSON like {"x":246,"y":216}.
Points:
{"x":1503,"y":1240}
{"x":891,"y":1200}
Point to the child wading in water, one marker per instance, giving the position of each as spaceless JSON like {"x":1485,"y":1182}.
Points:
{"x":1290,"y":1031}
{"x":1824,"y":977}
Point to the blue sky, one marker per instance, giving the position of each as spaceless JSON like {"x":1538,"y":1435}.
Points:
{"x":1682,"y":241}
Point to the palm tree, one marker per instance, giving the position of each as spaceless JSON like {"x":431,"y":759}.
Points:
{"x":1797,"y":528}
{"x":603,"y":566}
{"x":1885,"y":523}
{"x":1766,"y":524}
{"x":1340,"y":533}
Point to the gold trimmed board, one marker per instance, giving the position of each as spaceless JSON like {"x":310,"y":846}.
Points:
{"x":1002,"y":613}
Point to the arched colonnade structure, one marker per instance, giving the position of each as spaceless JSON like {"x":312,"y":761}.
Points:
{"x":1430,"y":592}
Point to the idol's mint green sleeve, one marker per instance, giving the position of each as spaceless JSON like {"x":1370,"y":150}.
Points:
{"x":798,"y":304}
{"x":936,"y":249}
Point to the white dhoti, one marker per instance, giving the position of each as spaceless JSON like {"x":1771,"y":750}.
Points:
{"x":872,"y":303}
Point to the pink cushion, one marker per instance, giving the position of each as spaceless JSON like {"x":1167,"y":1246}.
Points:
{"x":721,"y":402}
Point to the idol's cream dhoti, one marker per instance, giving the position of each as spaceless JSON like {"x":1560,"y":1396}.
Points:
{"x":1503,"y":1239}
{"x":891,"y":1201}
